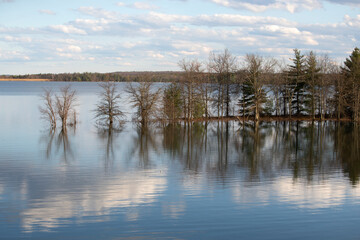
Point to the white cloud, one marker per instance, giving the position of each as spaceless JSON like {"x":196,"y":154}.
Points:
{"x":46,"y":11}
{"x":262,"y":5}
{"x":69,"y":29}
{"x":98,"y":12}
{"x":17,"y":39}
{"x":143,"y":5}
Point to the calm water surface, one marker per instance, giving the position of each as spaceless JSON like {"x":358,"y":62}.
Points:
{"x":200,"y":181}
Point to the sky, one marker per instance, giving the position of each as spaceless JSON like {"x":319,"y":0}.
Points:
{"x":49,"y":36}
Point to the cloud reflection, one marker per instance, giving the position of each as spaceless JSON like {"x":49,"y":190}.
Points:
{"x":122,"y":193}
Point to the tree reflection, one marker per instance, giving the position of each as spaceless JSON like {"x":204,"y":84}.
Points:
{"x":265,"y":150}
{"x":108,"y":137}
{"x":144,"y":143}
{"x":58,"y":143}
{"x":309,"y":151}
{"x":347,"y":149}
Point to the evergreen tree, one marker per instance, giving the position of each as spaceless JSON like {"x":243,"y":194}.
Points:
{"x":312,"y":71}
{"x":351,"y":71}
{"x":296,"y":83}
{"x":173,"y":101}
{"x":253,"y":90}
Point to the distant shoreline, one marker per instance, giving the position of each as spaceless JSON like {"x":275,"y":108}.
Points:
{"x":23,"y":80}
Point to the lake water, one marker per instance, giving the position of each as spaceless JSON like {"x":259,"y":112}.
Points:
{"x":217,"y":180}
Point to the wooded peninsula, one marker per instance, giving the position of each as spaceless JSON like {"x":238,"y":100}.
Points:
{"x":311,"y":87}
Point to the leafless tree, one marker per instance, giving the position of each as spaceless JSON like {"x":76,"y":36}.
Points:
{"x":223,"y":65}
{"x":258,"y":72}
{"x":144,"y":99}
{"x":328,"y":71}
{"x":48,"y":109}
{"x":108,"y":110}
{"x":65,"y":105}
{"x":193,"y":72}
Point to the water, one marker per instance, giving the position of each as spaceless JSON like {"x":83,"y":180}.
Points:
{"x":218,"y":180}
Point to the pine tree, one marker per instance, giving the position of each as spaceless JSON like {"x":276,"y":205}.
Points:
{"x":312,"y":71}
{"x":351,"y":71}
{"x":296,"y":83}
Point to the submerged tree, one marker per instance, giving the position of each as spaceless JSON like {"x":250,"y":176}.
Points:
{"x":65,"y":105}
{"x":108,"y":110}
{"x":59,"y":106}
{"x":48,"y":109}
{"x":144,"y":99}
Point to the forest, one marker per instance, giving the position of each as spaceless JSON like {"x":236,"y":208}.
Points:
{"x":311,"y":87}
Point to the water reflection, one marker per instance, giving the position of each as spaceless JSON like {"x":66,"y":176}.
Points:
{"x":109,"y":137}
{"x":265,"y":150}
{"x":58,"y":144}
{"x":98,"y":197}
{"x":161,"y":170}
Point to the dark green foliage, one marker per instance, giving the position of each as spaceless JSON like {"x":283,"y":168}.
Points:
{"x":297,"y":83}
{"x":173,"y":101}
{"x":246,"y":101}
{"x":312,"y":76}
{"x":351,"y":72}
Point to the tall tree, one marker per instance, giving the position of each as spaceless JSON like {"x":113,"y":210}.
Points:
{"x":351,"y":71}
{"x":193,"y":73}
{"x":312,"y":71}
{"x":257,"y":71}
{"x":173,"y":101}
{"x":65,"y":105}
{"x":48,"y":109}
{"x":108,"y":110}
{"x":144,"y":98}
{"x":296,"y":83}
{"x":223,"y":65}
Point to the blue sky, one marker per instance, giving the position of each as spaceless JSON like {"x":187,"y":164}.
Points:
{"x":41,"y":36}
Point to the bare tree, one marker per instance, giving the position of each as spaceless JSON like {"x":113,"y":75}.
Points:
{"x":108,"y":110}
{"x":193,"y":73}
{"x":48,"y":110}
{"x":258,"y":70}
{"x":144,"y":99}
{"x":65,"y":103}
{"x":328,"y":70}
{"x":223,"y":65}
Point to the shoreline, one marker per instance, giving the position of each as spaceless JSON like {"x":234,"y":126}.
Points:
{"x":264,"y":119}
{"x":24,"y":80}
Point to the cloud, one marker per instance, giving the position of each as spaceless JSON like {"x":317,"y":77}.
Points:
{"x":97,"y":12}
{"x":263,"y":5}
{"x":143,"y":5}
{"x":346,"y":2}
{"x":68,"y":29}
{"x":46,"y":11}
{"x":106,"y":35}
{"x":287,"y":5}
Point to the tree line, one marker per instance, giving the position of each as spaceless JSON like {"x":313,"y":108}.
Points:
{"x":311,"y":86}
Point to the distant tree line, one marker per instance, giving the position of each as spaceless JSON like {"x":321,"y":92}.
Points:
{"x":100,"y":77}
